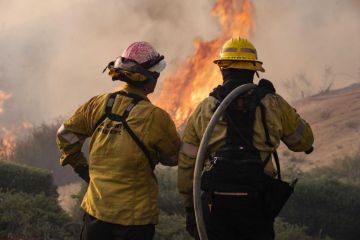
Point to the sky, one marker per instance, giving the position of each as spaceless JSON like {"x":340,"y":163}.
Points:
{"x":52,"y":52}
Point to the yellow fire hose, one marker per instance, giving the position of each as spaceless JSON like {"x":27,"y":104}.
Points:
{"x":202,"y":154}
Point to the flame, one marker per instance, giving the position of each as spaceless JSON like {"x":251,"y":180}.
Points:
{"x":7,"y":143}
{"x":3,"y":97}
{"x":8,"y":135}
{"x":183,"y":90}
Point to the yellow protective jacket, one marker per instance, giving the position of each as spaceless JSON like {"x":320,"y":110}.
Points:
{"x":283,"y":123}
{"x":122,"y":188}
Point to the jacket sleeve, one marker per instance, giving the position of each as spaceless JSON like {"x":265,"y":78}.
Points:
{"x":73,"y":133}
{"x":187,"y":157}
{"x":297,"y":133}
{"x":167,"y":140}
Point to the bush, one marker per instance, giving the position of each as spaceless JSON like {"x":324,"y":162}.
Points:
{"x":326,"y":202}
{"x":169,"y":197}
{"x":345,"y":170}
{"x":34,"y":217}
{"x":171,"y":226}
{"x":286,"y":231}
{"x":172,"y":219}
{"x":325,"y":206}
{"x":26,"y":179}
{"x":39,"y":149}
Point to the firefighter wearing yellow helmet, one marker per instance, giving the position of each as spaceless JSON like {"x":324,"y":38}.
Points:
{"x":239,"y":53}
{"x":238,"y":201}
{"x":128,"y":137}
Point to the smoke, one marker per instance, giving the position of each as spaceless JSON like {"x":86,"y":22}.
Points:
{"x":53,"y":52}
{"x":3,"y":97}
{"x":309,"y":41}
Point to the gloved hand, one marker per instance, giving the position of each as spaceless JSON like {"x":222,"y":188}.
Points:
{"x":310,"y":150}
{"x":83,"y":172}
{"x":191,"y":226}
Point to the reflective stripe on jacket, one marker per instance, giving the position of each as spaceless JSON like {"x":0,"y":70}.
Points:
{"x":283,"y":122}
{"x":122,"y":187}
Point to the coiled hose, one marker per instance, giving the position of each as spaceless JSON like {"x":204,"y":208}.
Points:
{"x":202,"y":154}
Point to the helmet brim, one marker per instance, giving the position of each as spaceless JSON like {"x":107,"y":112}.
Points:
{"x":240,"y":64}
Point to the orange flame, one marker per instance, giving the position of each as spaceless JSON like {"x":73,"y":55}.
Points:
{"x":8,"y":136}
{"x":3,"y":97}
{"x":7,"y":143}
{"x":183,"y":90}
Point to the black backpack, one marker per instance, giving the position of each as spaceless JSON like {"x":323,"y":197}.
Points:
{"x":237,"y":166}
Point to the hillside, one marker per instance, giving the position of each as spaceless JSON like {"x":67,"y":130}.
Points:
{"x":335,"y":120}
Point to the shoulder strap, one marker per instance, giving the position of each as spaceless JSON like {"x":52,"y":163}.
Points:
{"x":140,"y":144}
{"x":110,"y":104}
{"x":265,"y":87}
{"x":108,"y":108}
{"x":269,"y":143}
{"x":122,"y":118}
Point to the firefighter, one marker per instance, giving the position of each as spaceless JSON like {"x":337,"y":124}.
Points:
{"x":240,"y":150}
{"x":128,"y":137}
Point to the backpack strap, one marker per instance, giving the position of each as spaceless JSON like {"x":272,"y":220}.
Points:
{"x":108,"y":108}
{"x":122,"y":118}
{"x":266,"y":87}
{"x":269,"y":143}
{"x":253,"y":101}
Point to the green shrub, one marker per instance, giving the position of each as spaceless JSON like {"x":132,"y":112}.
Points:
{"x":325,"y":206}
{"x":26,"y":179}
{"x":346,"y":170}
{"x":169,"y":197}
{"x":172,"y":219}
{"x":286,"y":231}
{"x":171,"y":226}
{"x":34,"y":217}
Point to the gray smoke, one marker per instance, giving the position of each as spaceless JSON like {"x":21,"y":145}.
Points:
{"x":52,"y":52}
{"x":309,"y":42}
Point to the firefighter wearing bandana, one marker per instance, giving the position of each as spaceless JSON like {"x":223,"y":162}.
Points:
{"x":128,"y":137}
{"x":238,"y":201}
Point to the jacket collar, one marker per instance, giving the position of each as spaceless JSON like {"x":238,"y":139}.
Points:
{"x":134,"y":90}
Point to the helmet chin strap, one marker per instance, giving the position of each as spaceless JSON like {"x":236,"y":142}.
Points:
{"x":257,"y":74}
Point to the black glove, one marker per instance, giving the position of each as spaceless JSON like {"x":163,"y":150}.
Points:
{"x":310,"y":150}
{"x":83,"y":172}
{"x":191,"y":226}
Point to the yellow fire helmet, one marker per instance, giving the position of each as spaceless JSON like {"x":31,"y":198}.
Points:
{"x":239,"y":53}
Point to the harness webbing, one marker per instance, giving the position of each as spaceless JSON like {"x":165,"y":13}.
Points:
{"x":122,"y":118}
{"x":253,"y":101}
{"x":268,"y":142}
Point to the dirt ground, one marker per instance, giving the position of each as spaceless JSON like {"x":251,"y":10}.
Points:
{"x":335,"y":120}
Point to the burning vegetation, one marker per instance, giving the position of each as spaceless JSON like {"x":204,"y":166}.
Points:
{"x":198,"y":75}
{"x":8,"y":135}
{"x":7,"y":143}
{"x":7,"y":139}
